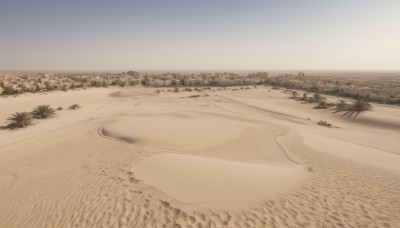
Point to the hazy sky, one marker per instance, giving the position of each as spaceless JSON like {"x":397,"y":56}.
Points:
{"x":199,"y":34}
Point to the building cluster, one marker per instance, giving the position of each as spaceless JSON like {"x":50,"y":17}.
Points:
{"x":204,"y":79}
{"x":14,"y":83}
{"x":384,"y":90}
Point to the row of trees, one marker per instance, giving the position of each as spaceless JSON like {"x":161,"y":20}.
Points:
{"x":378,"y":98}
{"x":24,"y":119}
{"x":360,"y":105}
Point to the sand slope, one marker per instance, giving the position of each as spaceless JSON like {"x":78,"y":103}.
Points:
{"x":194,"y":179}
{"x":258,"y":146}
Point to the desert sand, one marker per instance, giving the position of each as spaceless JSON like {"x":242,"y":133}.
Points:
{"x":131,"y":157}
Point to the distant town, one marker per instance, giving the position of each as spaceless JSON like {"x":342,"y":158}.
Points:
{"x":385,"y":90}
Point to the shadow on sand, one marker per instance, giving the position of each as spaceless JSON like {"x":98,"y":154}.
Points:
{"x":348,"y":113}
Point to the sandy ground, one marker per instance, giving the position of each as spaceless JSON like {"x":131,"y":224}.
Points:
{"x":230,"y":158}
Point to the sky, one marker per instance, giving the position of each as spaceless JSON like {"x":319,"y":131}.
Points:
{"x":200,"y":35}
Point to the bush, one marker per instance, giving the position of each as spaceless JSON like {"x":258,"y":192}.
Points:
{"x":74,"y":107}
{"x":322,"y":104}
{"x":19,"y":120}
{"x":305,"y":97}
{"x":342,"y":105}
{"x":59,"y":108}
{"x":361,"y":105}
{"x":8,"y":91}
{"x":311,"y":100}
{"x":324,"y":123}
{"x":318,"y":97}
{"x":330,"y":104}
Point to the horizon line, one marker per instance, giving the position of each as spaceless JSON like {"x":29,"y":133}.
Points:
{"x":198,"y":70}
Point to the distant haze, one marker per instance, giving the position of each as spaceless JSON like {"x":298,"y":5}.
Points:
{"x":227,"y":35}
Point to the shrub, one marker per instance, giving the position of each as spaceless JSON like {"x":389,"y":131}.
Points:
{"x":361,"y":105}
{"x":294,"y":94}
{"x":318,"y":97}
{"x":330,"y":104}
{"x":19,"y":120}
{"x":322,"y":104}
{"x":342,"y":105}
{"x":43,"y":112}
{"x":59,"y":108}
{"x":74,"y":107}
{"x":324,"y":123}
{"x":8,"y":91}
{"x":305,"y":96}
{"x":311,"y":100}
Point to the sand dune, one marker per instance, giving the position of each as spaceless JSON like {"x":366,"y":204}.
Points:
{"x":194,"y":179}
{"x":185,"y":160}
{"x":359,"y":153}
{"x":173,"y":131}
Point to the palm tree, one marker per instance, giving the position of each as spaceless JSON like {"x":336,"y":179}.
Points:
{"x":43,"y":112}
{"x":19,"y":120}
{"x":361,"y":105}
